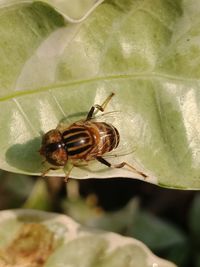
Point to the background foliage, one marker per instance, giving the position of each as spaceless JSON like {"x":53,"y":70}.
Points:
{"x":165,"y":220}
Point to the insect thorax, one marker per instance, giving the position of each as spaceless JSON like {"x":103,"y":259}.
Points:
{"x":87,"y":140}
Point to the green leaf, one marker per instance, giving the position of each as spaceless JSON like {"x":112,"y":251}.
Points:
{"x":154,"y":232}
{"x":160,"y":236}
{"x":75,"y":12}
{"x":146,"y":52}
{"x":57,"y":240}
{"x":15,"y":188}
{"x":39,"y":197}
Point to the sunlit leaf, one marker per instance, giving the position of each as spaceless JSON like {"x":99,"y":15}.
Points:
{"x":146,"y":52}
{"x":73,"y":12}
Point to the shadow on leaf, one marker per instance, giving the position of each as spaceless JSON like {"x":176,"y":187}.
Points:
{"x":25,"y":156}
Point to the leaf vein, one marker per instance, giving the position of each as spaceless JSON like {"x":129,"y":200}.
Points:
{"x":23,"y":113}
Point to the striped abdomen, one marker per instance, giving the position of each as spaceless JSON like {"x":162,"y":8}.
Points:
{"x":87,"y":140}
{"x":107,"y":137}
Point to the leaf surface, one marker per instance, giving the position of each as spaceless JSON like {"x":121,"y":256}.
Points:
{"x":74,"y":13}
{"x":146,"y":52}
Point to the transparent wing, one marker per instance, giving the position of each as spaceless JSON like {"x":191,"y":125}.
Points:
{"x":123,"y":123}
{"x":70,"y":119}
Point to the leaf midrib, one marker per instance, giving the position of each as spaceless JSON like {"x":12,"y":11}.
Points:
{"x":139,"y":76}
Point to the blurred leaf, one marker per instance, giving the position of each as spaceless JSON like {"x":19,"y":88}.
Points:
{"x":117,"y":221}
{"x":18,"y":184}
{"x":195,"y":229}
{"x":39,"y":197}
{"x":14,"y":189}
{"x":195,"y":218}
{"x":197,"y":260}
{"x":80,"y":211}
{"x":154,"y":232}
{"x":147,"y":52}
{"x":76,"y":246}
{"x":160,"y":236}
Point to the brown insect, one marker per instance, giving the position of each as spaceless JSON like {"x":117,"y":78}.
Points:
{"x":82,"y":141}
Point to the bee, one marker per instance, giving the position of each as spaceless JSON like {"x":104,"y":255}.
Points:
{"x":81,"y":142}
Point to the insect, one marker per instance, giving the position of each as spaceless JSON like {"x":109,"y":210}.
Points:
{"x":81,"y":142}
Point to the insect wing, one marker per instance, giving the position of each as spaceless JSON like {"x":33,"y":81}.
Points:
{"x":121,"y":121}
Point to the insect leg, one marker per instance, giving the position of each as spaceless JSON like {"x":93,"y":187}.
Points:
{"x":47,"y":170}
{"x":67,"y":170}
{"x":99,"y":107}
{"x":120,"y":165}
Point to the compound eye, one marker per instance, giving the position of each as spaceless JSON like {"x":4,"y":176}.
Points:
{"x":50,"y":148}
{"x":56,"y":154}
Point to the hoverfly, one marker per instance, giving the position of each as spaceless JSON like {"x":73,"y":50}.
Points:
{"x":81,"y":142}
